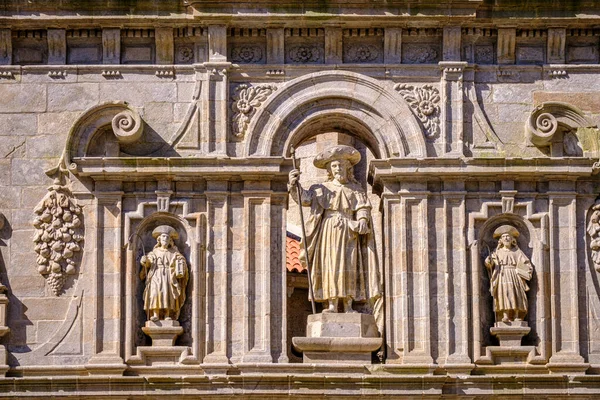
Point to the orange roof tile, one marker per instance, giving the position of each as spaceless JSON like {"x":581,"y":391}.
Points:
{"x":292,"y":254}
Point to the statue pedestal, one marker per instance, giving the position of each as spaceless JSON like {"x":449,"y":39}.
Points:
{"x":510,"y":351}
{"x":339,"y":338}
{"x":163,"y":350}
{"x":163,"y":333}
{"x":510,"y":333}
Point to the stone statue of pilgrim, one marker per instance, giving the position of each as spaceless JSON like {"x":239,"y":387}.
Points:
{"x":165,"y":271}
{"x":510,"y":270}
{"x":339,"y":235}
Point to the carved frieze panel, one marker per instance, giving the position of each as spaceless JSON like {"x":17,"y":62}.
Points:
{"x":424,"y":101}
{"x":30,"y":47}
{"x":479,"y":45}
{"x":58,"y":236}
{"x":582,"y":46}
{"x":247,"y":46}
{"x":190,"y":45}
{"x":363,"y":45}
{"x":304,"y":46}
{"x":531,"y":46}
{"x":421,"y":46}
{"x":246,"y":100}
{"x":137,"y":46}
{"x":84,"y":46}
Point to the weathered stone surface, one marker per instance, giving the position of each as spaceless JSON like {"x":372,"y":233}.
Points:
{"x":438,"y":97}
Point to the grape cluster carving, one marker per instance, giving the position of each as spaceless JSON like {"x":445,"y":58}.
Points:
{"x":58,"y":236}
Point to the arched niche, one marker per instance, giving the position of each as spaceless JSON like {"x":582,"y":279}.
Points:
{"x":138,"y":233}
{"x":532,"y":241}
{"x":381,"y":117}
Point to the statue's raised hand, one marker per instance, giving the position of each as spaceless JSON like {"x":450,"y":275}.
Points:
{"x":293,"y":177}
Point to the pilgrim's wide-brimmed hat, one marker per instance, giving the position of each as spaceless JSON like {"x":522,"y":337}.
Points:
{"x":159,"y":230}
{"x":501,"y":230}
{"x":340,"y":152}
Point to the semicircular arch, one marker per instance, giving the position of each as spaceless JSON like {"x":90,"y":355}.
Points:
{"x":389,"y":125}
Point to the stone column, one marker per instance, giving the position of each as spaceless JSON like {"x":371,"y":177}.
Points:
{"x":452,"y":113}
{"x":564,"y":279}
{"x":455,"y":252}
{"x":407,"y":275}
{"x":392,"y":44}
{"x":111,"y":46}
{"x":5,"y":47}
{"x":107,"y":358}
{"x":257,"y":279}
{"x":333,"y":45}
{"x":275,"y":46}
{"x":557,"y":38}
{"x":507,"y":39}
{"x":452,"y":42}
{"x":57,"y":46}
{"x":163,"y":38}
{"x":218,"y":276}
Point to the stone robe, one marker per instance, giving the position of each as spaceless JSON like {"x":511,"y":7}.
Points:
{"x":510,"y":272}
{"x":343,"y":263}
{"x":165,"y":290}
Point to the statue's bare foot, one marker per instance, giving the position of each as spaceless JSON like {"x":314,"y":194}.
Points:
{"x":154,"y":318}
{"x":348,"y":307}
{"x":505,"y":319}
{"x":168,"y":319}
{"x":332,"y":306}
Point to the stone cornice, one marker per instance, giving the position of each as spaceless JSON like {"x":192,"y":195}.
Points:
{"x":492,"y":168}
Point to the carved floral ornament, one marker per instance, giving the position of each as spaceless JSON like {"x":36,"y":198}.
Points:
{"x":425,"y":103}
{"x":246,"y":100}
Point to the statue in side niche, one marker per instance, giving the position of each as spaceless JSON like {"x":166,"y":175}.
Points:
{"x":165,"y":271}
{"x":510,"y":270}
{"x":339,"y":238}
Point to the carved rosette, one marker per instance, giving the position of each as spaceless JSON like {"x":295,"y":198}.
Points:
{"x":246,"y":101}
{"x":425,"y":103}
{"x":305,"y":53}
{"x":593,"y":230}
{"x":420,"y":54}
{"x":362,"y":53}
{"x":250,"y":54}
{"x":58,"y":235}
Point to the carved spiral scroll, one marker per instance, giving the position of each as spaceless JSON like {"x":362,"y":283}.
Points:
{"x":542,"y":128}
{"x":127,"y":126}
{"x":544,"y":120}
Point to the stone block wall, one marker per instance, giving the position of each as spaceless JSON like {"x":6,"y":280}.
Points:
{"x":185,"y":114}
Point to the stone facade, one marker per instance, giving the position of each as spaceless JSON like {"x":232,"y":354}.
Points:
{"x":118,"y":118}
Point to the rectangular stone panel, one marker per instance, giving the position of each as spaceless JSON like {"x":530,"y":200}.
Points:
{"x":247,"y":46}
{"x":363,"y":46}
{"x":305,"y":46}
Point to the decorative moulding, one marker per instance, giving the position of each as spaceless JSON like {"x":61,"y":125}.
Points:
{"x":545,"y":119}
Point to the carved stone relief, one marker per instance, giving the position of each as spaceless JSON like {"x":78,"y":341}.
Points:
{"x":247,"y":53}
{"x":420,"y":53}
{"x":245,"y":102}
{"x":305,"y":53}
{"x":425,"y":103}
{"x":593,"y":229}
{"x":58,"y":237}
